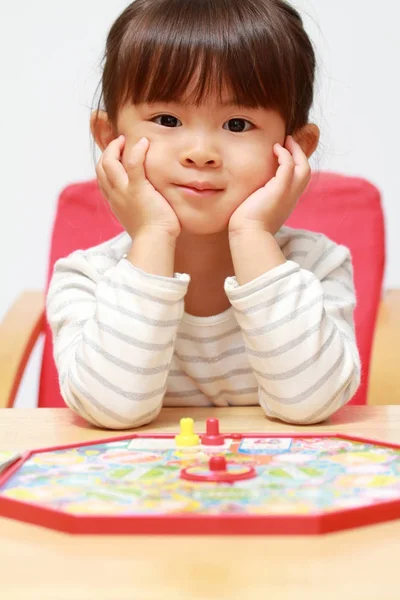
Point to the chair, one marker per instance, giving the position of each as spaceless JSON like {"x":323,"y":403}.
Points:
{"x":346,"y":209}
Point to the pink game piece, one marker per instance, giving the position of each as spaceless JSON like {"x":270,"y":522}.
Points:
{"x":212,"y":437}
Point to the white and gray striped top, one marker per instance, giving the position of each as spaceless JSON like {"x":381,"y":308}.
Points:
{"x":124,"y":345}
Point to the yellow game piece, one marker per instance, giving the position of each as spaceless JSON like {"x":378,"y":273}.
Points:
{"x":187,"y":436}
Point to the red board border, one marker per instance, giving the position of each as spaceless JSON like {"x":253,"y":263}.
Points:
{"x":317,"y":523}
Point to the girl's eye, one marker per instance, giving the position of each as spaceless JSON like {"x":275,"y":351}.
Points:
{"x":167,"y":120}
{"x":238,"y":125}
{"x":235,"y":125}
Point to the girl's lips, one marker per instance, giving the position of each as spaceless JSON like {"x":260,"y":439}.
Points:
{"x":199,"y":193}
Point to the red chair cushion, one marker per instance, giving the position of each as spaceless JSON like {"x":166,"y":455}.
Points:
{"x":83,"y":219}
{"x":346,"y":209}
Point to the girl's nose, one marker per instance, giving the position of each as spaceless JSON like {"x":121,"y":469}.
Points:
{"x":201,"y":156}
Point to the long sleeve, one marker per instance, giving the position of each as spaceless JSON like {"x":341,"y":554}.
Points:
{"x":114,"y":331}
{"x":298,"y":330}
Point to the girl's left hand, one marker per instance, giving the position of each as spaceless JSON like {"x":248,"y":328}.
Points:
{"x":269,"y":207}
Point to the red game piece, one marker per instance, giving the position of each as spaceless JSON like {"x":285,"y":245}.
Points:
{"x":219,"y":470}
{"x":212,"y":437}
{"x":217,"y":463}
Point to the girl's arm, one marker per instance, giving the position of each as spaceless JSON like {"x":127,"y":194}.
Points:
{"x":114,"y":329}
{"x":298,"y":327}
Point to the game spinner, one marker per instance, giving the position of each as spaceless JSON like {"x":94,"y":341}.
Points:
{"x":214,"y":483}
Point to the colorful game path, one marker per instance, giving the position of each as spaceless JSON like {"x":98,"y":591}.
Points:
{"x":212,"y":483}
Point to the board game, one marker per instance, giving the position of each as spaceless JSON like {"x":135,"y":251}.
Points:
{"x":212,"y":483}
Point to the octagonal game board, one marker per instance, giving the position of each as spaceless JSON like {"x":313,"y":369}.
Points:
{"x":252,"y":484}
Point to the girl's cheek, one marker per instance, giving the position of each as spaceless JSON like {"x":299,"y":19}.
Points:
{"x":256,"y":175}
{"x":267,"y":169}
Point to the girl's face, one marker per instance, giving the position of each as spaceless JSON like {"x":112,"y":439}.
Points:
{"x":224,"y":146}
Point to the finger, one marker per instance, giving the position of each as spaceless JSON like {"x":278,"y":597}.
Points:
{"x":102,"y":179}
{"x":302,"y":166}
{"x":135,"y":162}
{"x":285,"y":172}
{"x":110,"y":162}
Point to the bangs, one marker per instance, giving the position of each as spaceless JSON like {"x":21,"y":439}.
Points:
{"x":187,"y":50}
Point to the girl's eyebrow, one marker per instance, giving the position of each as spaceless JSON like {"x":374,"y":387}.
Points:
{"x":232,"y":102}
{"x":229,"y":103}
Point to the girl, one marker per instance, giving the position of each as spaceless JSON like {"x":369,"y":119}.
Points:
{"x":207,"y":298}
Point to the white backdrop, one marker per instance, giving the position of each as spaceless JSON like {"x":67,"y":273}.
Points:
{"x":50,"y":53}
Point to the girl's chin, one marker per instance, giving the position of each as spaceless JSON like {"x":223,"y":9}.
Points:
{"x":203,"y":228}
{"x":201,"y":217}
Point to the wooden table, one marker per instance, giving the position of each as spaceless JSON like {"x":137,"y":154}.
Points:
{"x":36,"y":563}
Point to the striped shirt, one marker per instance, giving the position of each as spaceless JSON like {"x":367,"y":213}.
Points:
{"x":124,"y":345}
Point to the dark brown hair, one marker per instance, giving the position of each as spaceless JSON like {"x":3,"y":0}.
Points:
{"x":257,"y":49}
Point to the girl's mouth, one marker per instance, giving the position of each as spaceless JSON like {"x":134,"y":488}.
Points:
{"x":198,"y":193}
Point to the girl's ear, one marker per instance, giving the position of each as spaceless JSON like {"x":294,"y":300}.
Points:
{"x":308,"y":137}
{"x":102,"y":130}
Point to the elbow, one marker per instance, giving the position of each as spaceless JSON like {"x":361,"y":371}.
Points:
{"x":315,"y":409}
{"x":104,"y":413}
{"x":128,"y":423}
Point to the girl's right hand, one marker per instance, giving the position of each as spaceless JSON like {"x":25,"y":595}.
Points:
{"x":134,"y":201}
